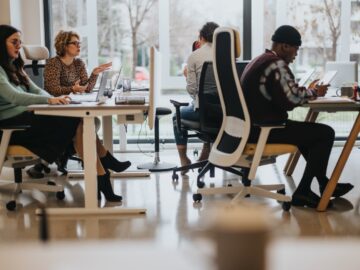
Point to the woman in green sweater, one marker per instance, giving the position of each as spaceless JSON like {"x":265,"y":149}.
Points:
{"x":47,"y":136}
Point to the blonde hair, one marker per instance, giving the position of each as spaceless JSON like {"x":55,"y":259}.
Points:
{"x":62,"y":39}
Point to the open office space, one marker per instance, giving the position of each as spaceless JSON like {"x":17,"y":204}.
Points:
{"x":240,"y":202}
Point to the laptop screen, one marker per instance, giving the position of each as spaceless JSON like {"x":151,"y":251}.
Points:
{"x":102,"y":87}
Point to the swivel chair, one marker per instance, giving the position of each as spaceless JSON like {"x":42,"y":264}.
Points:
{"x":231,"y":147}
{"x":18,"y":157}
{"x":208,"y":126}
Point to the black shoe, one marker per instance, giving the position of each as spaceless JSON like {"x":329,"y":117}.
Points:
{"x":340,"y":190}
{"x":35,"y":172}
{"x":309,"y":199}
{"x":109,"y":162}
{"x":105,"y":187}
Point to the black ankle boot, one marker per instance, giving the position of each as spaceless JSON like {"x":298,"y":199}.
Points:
{"x":340,"y":190}
{"x":105,"y":187}
{"x":36,"y":172}
{"x":309,"y":199}
{"x":109,"y":162}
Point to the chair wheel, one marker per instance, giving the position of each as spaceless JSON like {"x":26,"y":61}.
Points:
{"x":286,"y":206}
{"x":197,"y":197}
{"x":60,"y":195}
{"x":11,"y":205}
{"x":229,"y":185}
{"x":46,"y":169}
{"x":175,"y":177}
{"x":280,"y":191}
{"x":51,"y":183}
{"x":200,"y":184}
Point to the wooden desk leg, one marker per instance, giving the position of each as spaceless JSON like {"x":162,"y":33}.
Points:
{"x":294,"y":158}
{"x":330,"y":187}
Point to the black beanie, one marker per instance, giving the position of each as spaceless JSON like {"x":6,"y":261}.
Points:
{"x":288,"y":35}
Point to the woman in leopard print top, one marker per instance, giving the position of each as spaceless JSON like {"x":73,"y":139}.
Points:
{"x":64,"y":73}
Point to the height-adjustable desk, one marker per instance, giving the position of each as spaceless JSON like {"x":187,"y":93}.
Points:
{"x":88,"y":112}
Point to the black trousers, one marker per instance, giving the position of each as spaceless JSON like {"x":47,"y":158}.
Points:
{"x":48,"y":136}
{"x":314,"y":141}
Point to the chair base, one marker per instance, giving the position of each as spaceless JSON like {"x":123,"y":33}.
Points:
{"x":242,"y":192}
{"x":157,"y":166}
{"x":16,"y":188}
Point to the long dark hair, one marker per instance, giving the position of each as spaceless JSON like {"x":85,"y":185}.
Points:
{"x":14,"y":69}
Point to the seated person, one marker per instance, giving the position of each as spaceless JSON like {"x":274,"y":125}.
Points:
{"x":65,"y":74}
{"x":192,"y":73}
{"x":48,"y":136}
{"x":270,"y":91}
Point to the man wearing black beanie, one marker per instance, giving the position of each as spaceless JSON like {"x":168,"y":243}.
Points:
{"x":270,"y":91}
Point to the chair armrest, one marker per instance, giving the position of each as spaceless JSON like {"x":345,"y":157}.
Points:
{"x":179,"y":104}
{"x":177,"y":112}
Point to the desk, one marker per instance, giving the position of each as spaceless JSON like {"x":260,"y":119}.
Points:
{"x":88,"y":112}
{"x":313,"y":112}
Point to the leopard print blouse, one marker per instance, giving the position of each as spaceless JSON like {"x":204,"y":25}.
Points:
{"x":59,"y":78}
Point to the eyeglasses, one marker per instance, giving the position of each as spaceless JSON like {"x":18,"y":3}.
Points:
{"x":76,"y":43}
{"x":16,"y":42}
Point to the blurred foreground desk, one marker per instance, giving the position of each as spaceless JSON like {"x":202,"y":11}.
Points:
{"x":331,"y":107}
{"x":291,"y":254}
{"x":88,"y":112}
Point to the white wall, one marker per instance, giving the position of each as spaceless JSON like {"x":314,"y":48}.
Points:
{"x":26,"y":15}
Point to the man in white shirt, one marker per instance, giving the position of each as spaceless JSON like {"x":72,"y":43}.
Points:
{"x":192,"y":73}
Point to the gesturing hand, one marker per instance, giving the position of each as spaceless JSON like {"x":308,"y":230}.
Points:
{"x":77,"y":88}
{"x":101,"y":68}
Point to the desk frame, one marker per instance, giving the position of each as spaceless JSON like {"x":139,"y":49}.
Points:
{"x":313,"y":112}
{"x":88,"y":113}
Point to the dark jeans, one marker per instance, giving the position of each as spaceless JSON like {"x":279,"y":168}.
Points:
{"x":314,"y":141}
{"x":187,"y":113}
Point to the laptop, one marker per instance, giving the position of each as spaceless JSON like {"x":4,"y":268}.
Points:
{"x":93,"y":96}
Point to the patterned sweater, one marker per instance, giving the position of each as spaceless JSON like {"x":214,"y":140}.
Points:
{"x":59,"y":78}
{"x":270,"y":90}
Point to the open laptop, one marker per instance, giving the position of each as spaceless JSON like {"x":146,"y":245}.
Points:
{"x":93,"y":96}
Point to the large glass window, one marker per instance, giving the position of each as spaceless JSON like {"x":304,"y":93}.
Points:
{"x":112,"y":30}
{"x":185,"y":23}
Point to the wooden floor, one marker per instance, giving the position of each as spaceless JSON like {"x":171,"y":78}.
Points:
{"x":172,"y":217}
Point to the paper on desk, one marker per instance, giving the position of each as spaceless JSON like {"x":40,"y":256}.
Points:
{"x":332,"y":100}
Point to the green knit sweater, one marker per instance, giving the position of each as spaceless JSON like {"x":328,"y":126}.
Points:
{"x":15,"y":99}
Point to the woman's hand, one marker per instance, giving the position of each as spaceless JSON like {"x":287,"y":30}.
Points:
{"x":101,"y":68}
{"x":59,"y":100}
{"x":77,"y":88}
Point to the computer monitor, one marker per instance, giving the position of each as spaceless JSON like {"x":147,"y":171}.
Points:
{"x":347,"y":72}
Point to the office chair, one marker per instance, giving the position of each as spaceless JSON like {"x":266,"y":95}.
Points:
{"x":35,"y":71}
{"x":208,"y":126}
{"x":18,"y":157}
{"x":231,"y":147}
